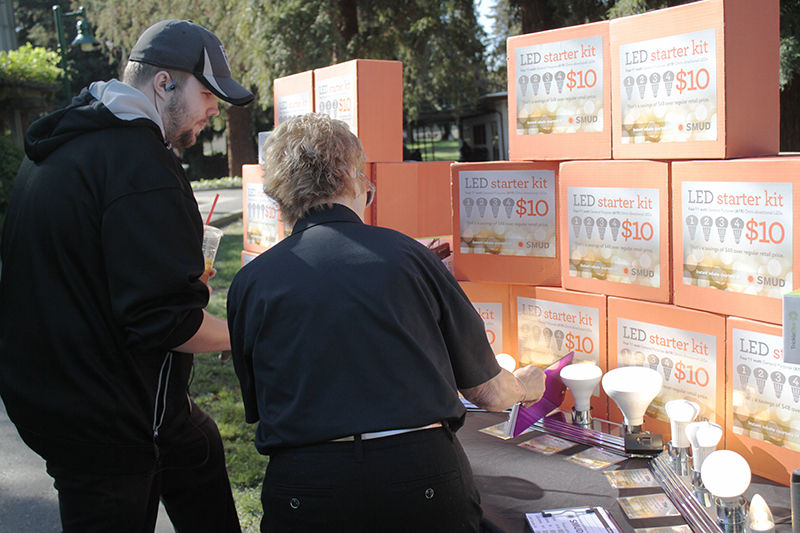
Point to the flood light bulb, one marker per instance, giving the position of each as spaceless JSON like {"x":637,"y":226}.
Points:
{"x":632,"y":388}
{"x":581,"y":379}
{"x":506,"y":361}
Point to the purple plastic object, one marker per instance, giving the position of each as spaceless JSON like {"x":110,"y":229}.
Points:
{"x":554,"y":393}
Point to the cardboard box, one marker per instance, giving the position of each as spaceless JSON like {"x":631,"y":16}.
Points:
{"x":367,"y":94}
{"x":548,"y":323}
{"x":697,"y":81}
{"x":614,"y":227}
{"x":559,"y":94}
{"x":504,"y":222}
{"x":491,"y":301}
{"x":248,"y":256}
{"x":262,"y":226}
{"x":734,"y":246}
{"x":763,"y":400}
{"x":293,"y":96}
{"x":686,"y":346}
{"x":414,"y":198}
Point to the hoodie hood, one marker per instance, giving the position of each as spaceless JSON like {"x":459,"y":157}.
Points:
{"x":102,"y":105}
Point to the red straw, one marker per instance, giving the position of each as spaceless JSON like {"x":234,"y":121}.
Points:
{"x":211,"y":212}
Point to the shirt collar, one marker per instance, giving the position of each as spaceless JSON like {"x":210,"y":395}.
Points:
{"x":325,"y":214}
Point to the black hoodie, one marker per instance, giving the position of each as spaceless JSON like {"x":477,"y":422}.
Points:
{"x":101,"y":255}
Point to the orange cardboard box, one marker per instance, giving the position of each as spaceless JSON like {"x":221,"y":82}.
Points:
{"x":559,"y":94}
{"x":698,"y":81}
{"x":504,"y":222}
{"x":614,"y":228}
{"x":686,"y":346}
{"x":367,"y":94}
{"x":293,"y":95}
{"x":763,"y":400}
{"x":734,"y":246}
{"x":262,"y":227}
{"x":548,"y":323}
{"x":491,"y":301}
{"x":414,"y":198}
{"x":248,"y":256}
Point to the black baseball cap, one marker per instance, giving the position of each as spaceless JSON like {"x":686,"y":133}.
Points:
{"x":183,"y":45}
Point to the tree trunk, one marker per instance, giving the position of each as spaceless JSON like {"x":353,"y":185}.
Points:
{"x":348,"y":26}
{"x":241,"y":142}
{"x":790,"y":117}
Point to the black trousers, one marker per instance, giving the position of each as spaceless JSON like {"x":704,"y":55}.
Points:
{"x":189,"y":477}
{"x":413,"y":482}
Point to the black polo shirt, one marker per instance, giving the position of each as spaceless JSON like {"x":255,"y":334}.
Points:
{"x":346,"y":328}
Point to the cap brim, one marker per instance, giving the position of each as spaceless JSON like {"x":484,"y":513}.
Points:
{"x":226,"y":89}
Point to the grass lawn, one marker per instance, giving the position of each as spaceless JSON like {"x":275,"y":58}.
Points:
{"x":216,"y":390}
{"x":442,"y":150}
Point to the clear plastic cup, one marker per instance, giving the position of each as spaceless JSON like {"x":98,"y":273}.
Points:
{"x":211,"y":238}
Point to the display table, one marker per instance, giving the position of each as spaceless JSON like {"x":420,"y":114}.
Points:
{"x":514,"y":481}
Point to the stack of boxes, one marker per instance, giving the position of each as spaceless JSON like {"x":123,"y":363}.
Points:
{"x":645,"y":218}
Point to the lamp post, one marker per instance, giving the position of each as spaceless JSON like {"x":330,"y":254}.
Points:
{"x":84,"y":38}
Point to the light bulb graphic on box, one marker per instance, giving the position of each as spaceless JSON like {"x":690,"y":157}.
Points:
{"x":641,"y":83}
{"x":495,"y":204}
{"x":468,"y":203}
{"x":625,"y":358}
{"x":588,"y":223}
{"x":547,"y":333}
{"x":737,"y":224}
{"x":547,"y":78}
{"x":523,"y":84}
{"x":666,"y":366}
{"x":761,"y":378}
{"x":628,"y":83}
{"x":655,"y":79}
{"x":508,"y":204}
{"x":560,"y":80}
{"x":535,"y":80}
{"x":638,"y":359}
{"x":614,"y":224}
{"x":559,"y":336}
{"x":653,"y":361}
{"x":722,"y":228}
{"x":778,"y":379}
{"x":691,"y":223}
{"x":481,"y":203}
{"x":536,"y":332}
{"x":601,"y":224}
{"x":744,"y":374}
{"x":576,"y":225}
{"x":794,"y":383}
{"x":668,"y":78}
{"x":706,"y":222}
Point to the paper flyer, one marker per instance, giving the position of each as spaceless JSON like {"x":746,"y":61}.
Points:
{"x":737,"y":236}
{"x":497,"y":430}
{"x":648,"y":506}
{"x":766,"y":390}
{"x":595,"y":458}
{"x":573,"y":520}
{"x":546,"y":444}
{"x":508,"y":212}
{"x":615,"y":235}
{"x":547,"y":330}
{"x":492,"y":315}
{"x":686,"y":359}
{"x":668,"y":89}
{"x":560,"y":87}
{"x":336,"y":97}
{"x":442,"y":246}
{"x":292,"y":105}
{"x":631,"y":479}
{"x":262,"y":217}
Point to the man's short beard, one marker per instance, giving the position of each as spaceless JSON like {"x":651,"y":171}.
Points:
{"x":176,"y":113}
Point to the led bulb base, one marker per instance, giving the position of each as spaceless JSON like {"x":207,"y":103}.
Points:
{"x":582,"y":418}
{"x":732,"y":514}
{"x":628,"y":429}
{"x":679,"y":459}
{"x":699,"y":491}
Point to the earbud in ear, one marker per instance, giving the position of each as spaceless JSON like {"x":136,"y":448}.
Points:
{"x":171,"y":87}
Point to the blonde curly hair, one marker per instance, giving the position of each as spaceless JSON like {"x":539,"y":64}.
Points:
{"x":308,"y":161}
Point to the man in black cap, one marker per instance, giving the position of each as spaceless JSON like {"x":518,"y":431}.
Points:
{"x":103,"y":291}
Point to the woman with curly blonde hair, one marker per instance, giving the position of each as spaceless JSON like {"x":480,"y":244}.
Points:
{"x":351,"y":343}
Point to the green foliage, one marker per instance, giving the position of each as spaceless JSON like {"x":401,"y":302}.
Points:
{"x":227,"y":182}
{"x":30,"y":63}
{"x":10,"y":159}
